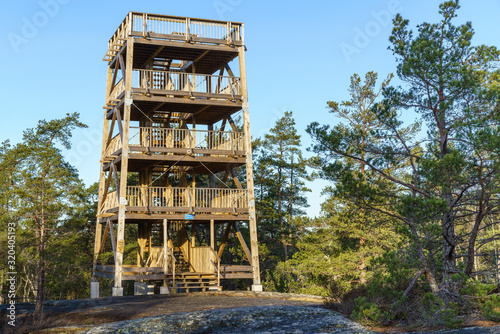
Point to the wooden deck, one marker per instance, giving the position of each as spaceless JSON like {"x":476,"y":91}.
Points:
{"x":178,"y":199}
{"x":175,"y":202}
{"x":175,"y":29}
{"x":166,"y":146}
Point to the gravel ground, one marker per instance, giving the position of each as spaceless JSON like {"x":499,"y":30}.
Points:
{"x":262,"y":320}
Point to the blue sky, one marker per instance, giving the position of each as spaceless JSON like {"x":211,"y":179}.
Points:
{"x":300,"y":55}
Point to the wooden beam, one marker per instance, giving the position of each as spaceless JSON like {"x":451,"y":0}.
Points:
{"x":117,"y":183}
{"x":104,"y":237}
{"x":224,"y":179}
{"x":223,"y":126}
{"x":110,"y":133}
{"x":123,"y":68}
{"x":219,"y":80}
{"x":233,"y":126}
{"x":224,"y":239}
{"x":249,"y":169}
{"x":153,"y":56}
{"x":113,"y":82}
{"x":120,"y":125}
{"x":235,"y":178}
{"x":112,"y":235}
{"x":201,"y":56}
{"x":242,"y":242}
{"x":106,"y":188}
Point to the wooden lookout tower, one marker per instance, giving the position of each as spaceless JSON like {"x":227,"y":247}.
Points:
{"x":172,"y":155}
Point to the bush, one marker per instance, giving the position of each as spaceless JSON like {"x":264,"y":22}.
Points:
{"x":367,"y":313}
{"x":490,"y":308}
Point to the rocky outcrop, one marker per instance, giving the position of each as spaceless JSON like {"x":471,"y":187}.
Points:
{"x":263,"y":320}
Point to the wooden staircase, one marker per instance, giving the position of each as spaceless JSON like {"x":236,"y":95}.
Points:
{"x":186,"y":282}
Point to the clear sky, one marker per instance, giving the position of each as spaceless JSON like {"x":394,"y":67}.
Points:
{"x":300,"y":55}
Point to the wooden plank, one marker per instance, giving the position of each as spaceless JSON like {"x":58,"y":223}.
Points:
{"x":104,"y":275}
{"x":234,"y":275}
{"x":109,"y":269}
{"x":143,"y":277}
{"x":129,"y":270}
{"x":233,"y":268}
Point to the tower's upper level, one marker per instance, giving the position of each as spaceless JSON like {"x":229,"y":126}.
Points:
{"x":193,"y":38}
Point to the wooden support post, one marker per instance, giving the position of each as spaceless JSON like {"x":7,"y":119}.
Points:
{"x":193,"y":234}
{"x":165,"y":252}
{"x":249,"y":169}
{"x":120,"y":244}
{"x":102,"y":174}
{"x":212,"y":242}
{"x":97,"y":244}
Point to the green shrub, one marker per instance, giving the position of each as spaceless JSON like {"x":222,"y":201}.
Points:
{"x":437,"y":312}
{"x":449,"y":316}
{"x":477,"y":289}
{"x":491,"y":308}
{"x":367,"y":313}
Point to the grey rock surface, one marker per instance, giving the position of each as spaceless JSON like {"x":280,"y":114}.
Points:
{"x":257,"y":320}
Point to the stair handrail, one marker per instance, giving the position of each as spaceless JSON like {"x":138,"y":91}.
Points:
{"x":216,"y":266}
{"x":173,"y":267}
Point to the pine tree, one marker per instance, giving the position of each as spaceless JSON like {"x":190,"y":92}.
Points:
{"x":44,"y":186}
{"x":280,"y":174}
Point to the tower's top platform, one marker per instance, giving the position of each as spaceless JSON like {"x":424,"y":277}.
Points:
{"x":176,"y":28}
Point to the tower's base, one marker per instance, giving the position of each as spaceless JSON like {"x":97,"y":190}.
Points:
{"x":257,"y":288}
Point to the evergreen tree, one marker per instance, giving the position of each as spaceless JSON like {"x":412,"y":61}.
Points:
{"x":337,"y":247}
{"x":429,"y":184}
{"x":43,"y":189}
{"x":280,"y":174}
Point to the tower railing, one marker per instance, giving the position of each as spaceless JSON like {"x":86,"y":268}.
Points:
{"x":175,"y":28}
{"x":187,"y":82}
{"x":181,"y":197}
{"x":114,"y":145}
{"x":154,"y":137}
{"x":191,"y":29}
